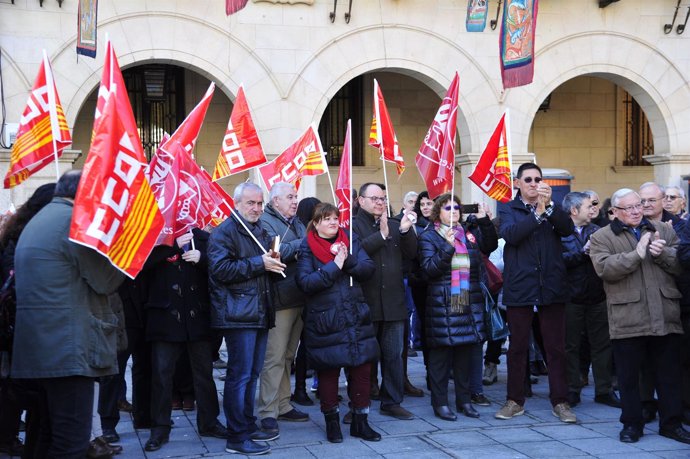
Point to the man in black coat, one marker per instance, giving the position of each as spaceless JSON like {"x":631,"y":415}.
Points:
{"x":387,"y":242}
{"x":534,"y":276}
{"x":240,"y":267}
{"x":178,"y":321}
{"x":586,"y":310}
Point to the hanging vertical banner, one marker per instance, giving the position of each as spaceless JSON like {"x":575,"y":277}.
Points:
{"x":492,"y":173}
{"x":476,"y":15}
{"x":87,"y":27}
{"x":516,"y":42}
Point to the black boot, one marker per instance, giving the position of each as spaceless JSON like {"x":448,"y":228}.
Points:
{"x":360,"y":427}
{"x":333,"y":432}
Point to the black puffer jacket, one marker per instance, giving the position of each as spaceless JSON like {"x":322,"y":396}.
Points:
{"x":445,"y":326}
{"x":338,"y":331}
{"x":584,"y":285}
{"x":241,"y":295}
{"x":177,"y":306}
{"x":287,"y":295}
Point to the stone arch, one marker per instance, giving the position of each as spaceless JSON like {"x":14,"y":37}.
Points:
{"x":641,"y":69}
{"x":402,"y":49}
{"x":217,"y":55}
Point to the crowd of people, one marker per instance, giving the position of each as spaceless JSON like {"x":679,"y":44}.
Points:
{"x":584,"y":283}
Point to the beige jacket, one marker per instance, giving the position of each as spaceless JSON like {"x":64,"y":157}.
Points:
{"x":641,"y":294}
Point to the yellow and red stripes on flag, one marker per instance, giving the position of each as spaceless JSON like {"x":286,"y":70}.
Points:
{"x":493,"y":174}
{"x":382,"y":135}
{"x":314,"y":164}
{"x":42,"y":123}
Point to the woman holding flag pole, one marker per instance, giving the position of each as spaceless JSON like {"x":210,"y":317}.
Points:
{"x":337,"y":323}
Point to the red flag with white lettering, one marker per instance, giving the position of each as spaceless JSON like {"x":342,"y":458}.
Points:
{"x":186,"y":135}
{"x":492,"y":173}
{"x":241,"y":149}
{"x":343,"y":186}
{"x":436,"y":157}
{"x":304,"y":157}
{"x":115,"y":212}
{"x":382,"y":135}
{"x":43,"y":131}
{"x":226,"y":205}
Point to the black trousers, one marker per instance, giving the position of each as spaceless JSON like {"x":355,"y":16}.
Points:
{"x":164,"y":356}
{"x":629,"y":356}
{"x":109,"y":390}
{"x":441,"y":361}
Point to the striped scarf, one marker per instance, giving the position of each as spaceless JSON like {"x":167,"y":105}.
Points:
{"x":459,"y":269}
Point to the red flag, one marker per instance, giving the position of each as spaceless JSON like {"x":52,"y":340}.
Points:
{"x":382,"y":135}
{"x":226,"y":205}
{"x":186,"y":135}
{"x":112,"y":84}
{"x":187,"y":197}
{"x":43,"y":131}
{"x":304,"y":157}
{"x":492,"y":173}
{"x":233,"y":6}
{"x":436,"y":157}
{"x":241,"y":149}
{"x":343,"y":187}
{"x":115,"y":212}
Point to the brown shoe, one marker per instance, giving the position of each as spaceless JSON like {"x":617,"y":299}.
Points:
{"x":176,"y":403}
{"x":188,"y":404}
{"x":124,"y":405}
{"x":396,"y":411}
{"x":412,"y":391}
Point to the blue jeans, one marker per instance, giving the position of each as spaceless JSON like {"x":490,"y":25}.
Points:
{"x":246,"y":353}
{"x":391,"y":338}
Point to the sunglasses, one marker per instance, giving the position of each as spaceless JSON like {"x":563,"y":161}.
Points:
{"x":595,"y":203}
{"x":529,"y":179}
{"x":448,"y":208}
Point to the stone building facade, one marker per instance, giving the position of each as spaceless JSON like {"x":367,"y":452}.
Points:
{"x":292,"y":61}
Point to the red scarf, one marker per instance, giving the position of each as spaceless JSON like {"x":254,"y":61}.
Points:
{"x":321,"y":248}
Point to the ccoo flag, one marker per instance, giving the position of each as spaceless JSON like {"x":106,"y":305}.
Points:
{"x":492,"y":173}
{"x":43,"y":131}
{"x":382,"y":135}
{"x":436,"y":157}
{"x":241,"y":149}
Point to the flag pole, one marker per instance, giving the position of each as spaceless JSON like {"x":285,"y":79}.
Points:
{"x":385,"y":182}
{"x":239,"y":219}
{"x":510,"y":152}
{"x":52,"y":107}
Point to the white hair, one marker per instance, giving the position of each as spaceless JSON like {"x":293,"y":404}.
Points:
{"x":409,"y":195}
{"x":278,"y":189}
{"x":653,"y":184}
{"x":681,"y":191}
{"x":242,"y":187}
{"x":620,"y":194}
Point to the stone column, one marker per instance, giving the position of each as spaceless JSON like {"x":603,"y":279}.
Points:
{"x":669,"y":170}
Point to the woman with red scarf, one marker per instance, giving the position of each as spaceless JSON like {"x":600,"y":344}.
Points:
{"x":338,"y":332}
{"x":451,"y":260}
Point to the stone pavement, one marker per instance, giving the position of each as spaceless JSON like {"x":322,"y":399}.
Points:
{"x":536,"y":434}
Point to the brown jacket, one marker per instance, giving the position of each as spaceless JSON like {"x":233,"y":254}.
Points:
{"x":641,"y":294}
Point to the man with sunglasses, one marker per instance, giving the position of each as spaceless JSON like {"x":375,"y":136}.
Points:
{"x":674,"y":201}
{"x":535,"y":277}
{"x":636,"y":259}
{"x":387,"y":241}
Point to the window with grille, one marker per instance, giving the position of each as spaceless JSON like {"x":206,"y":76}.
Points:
{"x":638,"y":140}
{"x":346,"y":104}
{"x":156,"y":93}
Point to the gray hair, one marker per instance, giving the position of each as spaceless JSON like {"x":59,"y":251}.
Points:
{"x":278,"y":189}
{"x":245,"y":186}
{"x":681,"y":191}
{"x":409,"y":195}
{"x":590,"y":193}
{"x":67,"y":185}
{"x":620,"y":194}
{"x":574,"y":200}
{"x":653,"y":184}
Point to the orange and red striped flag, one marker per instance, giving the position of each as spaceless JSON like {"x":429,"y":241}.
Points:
{"x":493,"y":174}
{"x":382,"y":135}
{"x":43,"y":133}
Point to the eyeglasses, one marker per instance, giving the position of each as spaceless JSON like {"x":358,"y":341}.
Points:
{"x":448,"y":208}
{"x":651,"y":201}
{"x":629,"y":209}
{"x":595,"y":203}
{"x":529,"y":179}
{"x":610,"y":212}
{"x":376,"y":198}
{"x":670,"y":197}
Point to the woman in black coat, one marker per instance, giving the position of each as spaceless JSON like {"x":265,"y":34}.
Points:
{"x":338,"y":331}
{"x":451,"y":260}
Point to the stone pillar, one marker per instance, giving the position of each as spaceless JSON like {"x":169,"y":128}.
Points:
{"x":669,"y":170}
{"x":20,"y":193}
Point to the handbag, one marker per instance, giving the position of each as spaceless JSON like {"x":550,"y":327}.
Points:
{"x":496,"y":327}
{"x":494,"y":277}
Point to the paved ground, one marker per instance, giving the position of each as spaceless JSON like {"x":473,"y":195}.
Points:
{"x":537,"y":434}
